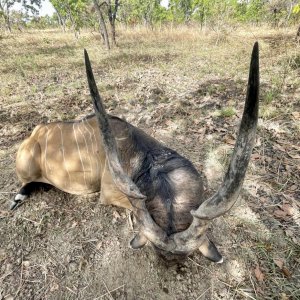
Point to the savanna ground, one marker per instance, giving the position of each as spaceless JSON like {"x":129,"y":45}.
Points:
{"x":186,"y":88}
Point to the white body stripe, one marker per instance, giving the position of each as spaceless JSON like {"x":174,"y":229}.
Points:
{"x":63,"y":152}
{"x":46,"y":147}
{"x":79,"y":154}
{"x":87,"y":149}
{"x":94,"y":146}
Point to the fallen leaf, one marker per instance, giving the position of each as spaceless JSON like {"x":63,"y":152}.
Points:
{"x":286,"y":272}
{"x":255,"y":156}
{"x":278,"y":147}
{"x":284,"y":212}
{"x":279,"y":263}
{"x":259,"y":274}
{"x":263,"y":199}
{"x":279,"y":213}
{"x":296,"y":115}
{"x":287,"y":208}
{"x":294,"y":187}
{"x":228,"y":140}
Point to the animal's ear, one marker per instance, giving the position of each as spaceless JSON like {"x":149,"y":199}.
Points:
{"x":138,"y":241}
{"x":210,"y":251}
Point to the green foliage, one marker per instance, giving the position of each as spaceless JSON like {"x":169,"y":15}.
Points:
{"x":28,"y":5}
{"x":42,"y":22}
{"x":255,"y":11}
{"x":181,"y":10}
{"x":76,"y":14}
{"x":227,"y":112}
{"x":71,"y":12}
{"x":10,"y":17}
{"x":205,"y":11}
{"x":296,"y":9}
{"x":146,"y":12}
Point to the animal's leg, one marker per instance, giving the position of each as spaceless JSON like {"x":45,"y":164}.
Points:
{"x":110,"y":194}
{"x":28,"y":169}
{"x":26,"y":191}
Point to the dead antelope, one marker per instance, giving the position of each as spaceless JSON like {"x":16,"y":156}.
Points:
{"x":133,"y":170}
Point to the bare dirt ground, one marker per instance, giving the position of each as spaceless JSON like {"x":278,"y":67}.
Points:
{"x":186,"y":88}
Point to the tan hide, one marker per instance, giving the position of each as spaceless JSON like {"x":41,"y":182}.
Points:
{"x":70,"y":156}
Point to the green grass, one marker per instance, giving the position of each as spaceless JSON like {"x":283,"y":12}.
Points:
{"x":225,"y":112}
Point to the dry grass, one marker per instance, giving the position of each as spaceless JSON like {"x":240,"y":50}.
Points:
{"x":186,"y":87}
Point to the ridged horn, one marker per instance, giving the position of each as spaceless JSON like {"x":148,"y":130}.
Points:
{"x":120,"y":178}
{"x":223,"y":200}
{"x":149,"y":228}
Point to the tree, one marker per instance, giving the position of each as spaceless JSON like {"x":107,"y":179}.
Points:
{"x":296,"y":11}
{"x":112,"y":10}
{"x":255,"y":11}
{"x":147,"y":12}
{"x":202,"y":10}
{"x":6,"y":6}
{"x":182,"y":10}
{"x":73,"y":11}
{"x":107,"y":9}
{"x":102,"y":25}
{"x":61,"y":11}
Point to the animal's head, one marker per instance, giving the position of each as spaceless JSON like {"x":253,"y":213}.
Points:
{"x":177,"y":246}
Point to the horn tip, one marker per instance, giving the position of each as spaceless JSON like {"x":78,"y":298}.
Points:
{"x":86,"y":56}
{"x":255,"y":50}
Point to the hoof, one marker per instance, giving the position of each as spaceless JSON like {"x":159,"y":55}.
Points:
{"x":17,"y":201}
{"x":138,"y":241}
{"x":220,"y":261}
{"x":15,"y":204}
{"x":210,"y":251}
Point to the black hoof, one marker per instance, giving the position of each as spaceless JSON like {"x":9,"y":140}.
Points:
{"x":14,"y":204}
{"x":210,"y":251}
{"x":138,"y":241}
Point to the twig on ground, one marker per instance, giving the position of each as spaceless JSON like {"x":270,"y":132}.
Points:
{"x":121,"y":286}
{"x":203,"y":293}
{"x":21,"y":274}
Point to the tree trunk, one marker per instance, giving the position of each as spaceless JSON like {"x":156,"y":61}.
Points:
{"x":61,"y":21}
{"x":298,"y":34}
{"x":112,"y":15}
{"x":5,"y":13}
{"x":290,"y":11}
{"x":113,"y":32}
{"x":102,"y":25}
{"x":7,"y":21}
